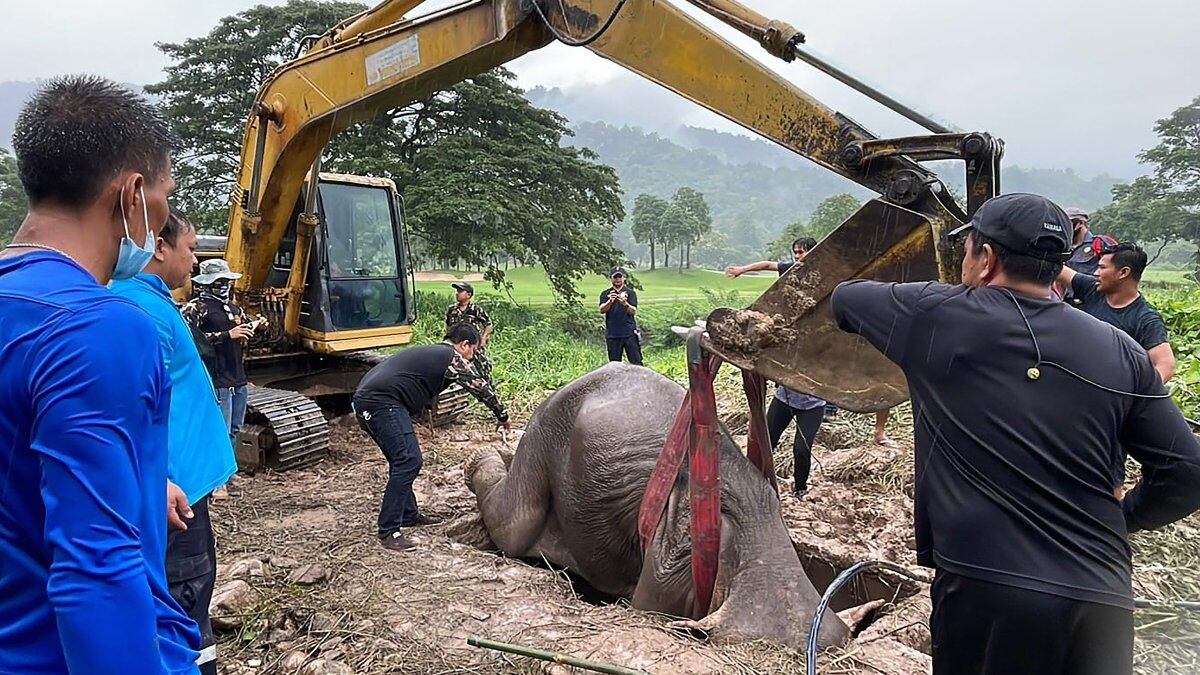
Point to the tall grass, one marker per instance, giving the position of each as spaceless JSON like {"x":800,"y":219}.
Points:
{"x":535,"y":351}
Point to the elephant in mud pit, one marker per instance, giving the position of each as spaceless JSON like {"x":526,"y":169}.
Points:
{"x":572,"y":495}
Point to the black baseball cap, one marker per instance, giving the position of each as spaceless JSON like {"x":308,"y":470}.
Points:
{"x":618,"y":270}
{"x":463,"y":286}
{"x":1025,"y":224}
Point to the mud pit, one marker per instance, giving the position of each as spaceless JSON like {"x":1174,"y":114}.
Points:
{"x":309,"y":590}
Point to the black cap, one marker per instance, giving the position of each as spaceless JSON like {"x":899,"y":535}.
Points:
{"x":618,"y":270}
{"x":1025,"y":224}
{"x":463,"y":286}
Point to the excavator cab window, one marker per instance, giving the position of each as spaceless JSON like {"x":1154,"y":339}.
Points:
{"x":362,"y":271}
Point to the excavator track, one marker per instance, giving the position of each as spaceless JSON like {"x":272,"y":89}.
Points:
{"x":283,"y":431}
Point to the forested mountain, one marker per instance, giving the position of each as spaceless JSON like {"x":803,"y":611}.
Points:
{"x":756,"y":188}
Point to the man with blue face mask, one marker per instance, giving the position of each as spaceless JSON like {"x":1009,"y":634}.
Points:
{"x":199,"y":456}
{"x":227,"y":328}
{"x":84,"y":395}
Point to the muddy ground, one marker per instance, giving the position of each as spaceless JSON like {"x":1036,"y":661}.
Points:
{"x":304,"y":586}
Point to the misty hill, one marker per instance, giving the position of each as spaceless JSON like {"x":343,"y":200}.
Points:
{"x":756,"y":188}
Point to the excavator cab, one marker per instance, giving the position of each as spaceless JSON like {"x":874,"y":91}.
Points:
{"x":359,"y":293}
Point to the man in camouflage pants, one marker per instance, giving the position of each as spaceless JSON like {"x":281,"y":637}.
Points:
{"x":466,"y":311}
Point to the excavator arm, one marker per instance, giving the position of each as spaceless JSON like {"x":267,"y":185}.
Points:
{"x":379,"y":61}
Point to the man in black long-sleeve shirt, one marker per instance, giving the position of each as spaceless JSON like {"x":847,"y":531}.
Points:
{"x":1022,"y":406}
{"x":400,"y":387}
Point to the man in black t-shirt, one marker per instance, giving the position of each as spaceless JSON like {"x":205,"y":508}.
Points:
{"x":1022,"y":406}
{"x":618,"y":304}
{"x":1113,"y":296}
{"x":386,"y":400}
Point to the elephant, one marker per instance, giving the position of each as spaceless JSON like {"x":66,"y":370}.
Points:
{"x":572,"y":494}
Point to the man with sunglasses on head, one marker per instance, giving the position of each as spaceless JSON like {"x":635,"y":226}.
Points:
{"x":1113,"y":296}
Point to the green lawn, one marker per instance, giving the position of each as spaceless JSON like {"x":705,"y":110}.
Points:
{"x":530,"y":286}
{"x":1166,"y":277}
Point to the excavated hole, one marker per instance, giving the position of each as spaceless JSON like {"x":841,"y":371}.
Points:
{"x":584,"y":591}
{"x":866,"y":587}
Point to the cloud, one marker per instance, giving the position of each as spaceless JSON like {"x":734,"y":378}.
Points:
{"x":1065,"y":83}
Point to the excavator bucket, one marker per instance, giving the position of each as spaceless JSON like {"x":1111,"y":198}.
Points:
{"x":789,"y":334}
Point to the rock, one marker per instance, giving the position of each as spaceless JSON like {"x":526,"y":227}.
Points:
{"x":292,"y":662}
{"x":326,"y":667}
{"x":321,"y":623}
{"x":307,"y":575}
{"x":282,"y":562}
{"x":231,"y":600}
{"x":247,"y":567}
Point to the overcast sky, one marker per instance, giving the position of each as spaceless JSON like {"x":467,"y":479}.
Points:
{"x":1065,"y":82}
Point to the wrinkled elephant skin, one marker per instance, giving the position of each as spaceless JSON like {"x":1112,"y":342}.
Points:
{"x":572,"y":495}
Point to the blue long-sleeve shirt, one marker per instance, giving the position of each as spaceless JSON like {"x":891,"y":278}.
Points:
{"x":83,"y":414}
{"x":199,"y":457}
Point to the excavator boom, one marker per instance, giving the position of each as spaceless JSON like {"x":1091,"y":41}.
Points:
{"x":379,"y":61}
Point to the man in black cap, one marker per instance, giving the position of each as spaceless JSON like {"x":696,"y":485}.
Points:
{"x":618,"y":304}
{"x":1022,"y":406}
{"x":464,"y":310}
{"x":385,"y":402}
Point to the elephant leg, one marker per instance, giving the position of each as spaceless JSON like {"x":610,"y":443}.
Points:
{"x":513,"y":503}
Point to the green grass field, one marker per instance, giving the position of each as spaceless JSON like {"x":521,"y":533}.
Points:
{"x":1166,"y":277}
{"x":530,"y":286}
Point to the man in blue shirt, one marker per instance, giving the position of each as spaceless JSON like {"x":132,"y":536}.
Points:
{"x":199,"y":456}
{"x":84,"y":395}
{"x":618,"y":304}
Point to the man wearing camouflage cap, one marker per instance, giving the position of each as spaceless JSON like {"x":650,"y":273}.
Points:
{"x":227,"y":328}
{"x":464,"y":310}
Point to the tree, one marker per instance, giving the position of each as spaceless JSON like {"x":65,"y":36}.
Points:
{"x":699,"y":216}
{"x":484,"y":173}
{"x":648,"y":212}
{"x":1164,"y":206}
{"x":13,"y":203}
{"x":674,"y":230}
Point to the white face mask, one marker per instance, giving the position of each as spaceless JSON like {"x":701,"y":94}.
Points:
{"x":132,"y":259}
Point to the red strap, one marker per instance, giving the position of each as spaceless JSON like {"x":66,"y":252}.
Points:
{"x":758,"y":446}
{"x":662,"y":480}
{"x":704,"y":468}
{"x":658,"y":490}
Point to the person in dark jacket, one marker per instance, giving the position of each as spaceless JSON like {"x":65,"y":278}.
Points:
{"x":386,"y":401}
{"x":1022,"y":408}
{"x":227,"y":328}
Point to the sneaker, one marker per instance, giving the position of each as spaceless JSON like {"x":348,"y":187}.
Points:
{"x":422,"y":520}
{"x":799,"y":494}
{"x":396,"y":542}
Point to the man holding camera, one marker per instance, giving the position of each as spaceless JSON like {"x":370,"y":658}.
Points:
{"x":618,"y":304}
{"x":227,"y":328}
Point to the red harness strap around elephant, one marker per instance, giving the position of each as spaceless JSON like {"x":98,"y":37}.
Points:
{"x":694,"y":435}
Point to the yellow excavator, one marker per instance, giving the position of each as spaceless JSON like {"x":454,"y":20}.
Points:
{"x":324,"y":256}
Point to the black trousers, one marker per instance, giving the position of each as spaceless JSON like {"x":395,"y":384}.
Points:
{"x":631,"y":347}
{"x":191,"y":574}
{"x":991,"y":629}
{"x":392,"y":431}
{"x":779,"y":415}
